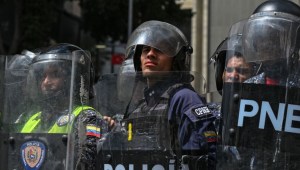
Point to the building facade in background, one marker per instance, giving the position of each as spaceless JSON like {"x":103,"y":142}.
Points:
{"x":211,"y":22}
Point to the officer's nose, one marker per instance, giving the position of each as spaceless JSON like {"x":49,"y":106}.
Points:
{"x":235,"y":74}
{"x":46,"y":80}
{"x":152,"y":53}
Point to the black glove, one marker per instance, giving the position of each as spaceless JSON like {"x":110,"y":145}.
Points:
{"x":203,"y":162}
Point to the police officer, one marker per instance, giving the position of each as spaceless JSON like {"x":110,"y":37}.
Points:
{"x":60,"y":78}
{"x":171,"y":117}
{"x":229,"y":66}
{"x":229,"y":58}
{"x":270,"y":40}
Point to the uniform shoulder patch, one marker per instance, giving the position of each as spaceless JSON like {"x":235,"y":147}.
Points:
{"x":201,"y":112}
{"x":211,"y":136}
{"x":93,"y":130}
{"x":65,"y":119}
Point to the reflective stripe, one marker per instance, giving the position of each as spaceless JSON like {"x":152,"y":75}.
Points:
{"x":34,"y":121}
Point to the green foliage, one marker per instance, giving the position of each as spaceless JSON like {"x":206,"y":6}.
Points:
{"x":28,"y":24}
{"x":105,"y":18}
{"x":39,"y":19}
{"x":34,"y":23}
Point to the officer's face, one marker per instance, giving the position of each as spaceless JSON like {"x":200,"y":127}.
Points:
{"x":237,"y":70}
{"x":154,"y":61}
{"x":52,"y":80}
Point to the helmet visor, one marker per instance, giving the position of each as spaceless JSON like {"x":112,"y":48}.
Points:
{"x":270,"y":37}
{"x":47,"y":79}
{"x":159,"y":35}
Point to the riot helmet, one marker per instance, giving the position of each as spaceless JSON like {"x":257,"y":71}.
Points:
{"x":229,"y":47}
{"x":16,"y":71}
{"x":126,"y":77}
{"x":278,"y":6}
{"x":17,"y":67}
{"x":57,"y":69}
{"x":272,"y":37}
{"x":164,"y":37}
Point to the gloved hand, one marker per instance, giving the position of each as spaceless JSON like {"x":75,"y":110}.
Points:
{"x":203,"y":162}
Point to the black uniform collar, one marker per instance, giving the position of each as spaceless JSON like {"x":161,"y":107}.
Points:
{"x":152,"y":94}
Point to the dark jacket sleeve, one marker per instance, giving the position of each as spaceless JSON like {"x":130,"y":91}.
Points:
{"x":196,"y":131}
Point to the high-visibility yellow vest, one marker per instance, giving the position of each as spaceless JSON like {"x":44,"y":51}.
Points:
{"x":35,"y":121}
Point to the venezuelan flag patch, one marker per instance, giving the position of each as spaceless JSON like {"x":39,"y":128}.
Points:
{"x":211,"y":136}
{"x":93,"y":130}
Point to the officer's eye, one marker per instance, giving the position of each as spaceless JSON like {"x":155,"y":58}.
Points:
{"x":146,"y":49}
{"x":56,"y":74}
{"x":52,"y":74}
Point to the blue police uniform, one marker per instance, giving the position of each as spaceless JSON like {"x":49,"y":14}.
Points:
{"x":173,"y":117}
{"x":195,"y":121}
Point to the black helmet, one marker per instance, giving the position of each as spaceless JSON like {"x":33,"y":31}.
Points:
{"x":16,"y":71}
{"x":65,"y":57}
{"x":283,"y":6}
{"x":17,"y":67}
{"x":272,"y":31}
{"x":164,"y":37}
{"x":271,"y":37}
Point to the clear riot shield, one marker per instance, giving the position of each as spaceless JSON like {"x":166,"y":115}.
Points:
{"x":261,"y":113}
{"x":3,"y":134}
{"x":39,"y":134}
{"x":141,"y":139}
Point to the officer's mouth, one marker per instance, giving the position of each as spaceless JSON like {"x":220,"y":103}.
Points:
{"x":150,"y":64}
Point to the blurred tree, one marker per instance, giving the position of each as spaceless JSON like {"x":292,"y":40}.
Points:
{"x":27,"y":24}
{"x":30,"y":24}
{"x":39,"y":23}
{"x":103,"y":18}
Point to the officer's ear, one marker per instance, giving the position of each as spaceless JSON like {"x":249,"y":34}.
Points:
{"x":178,"y":61}
{"x":137,"y":58}
{"x":219,"y":70}
{"x":189,"y":49}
